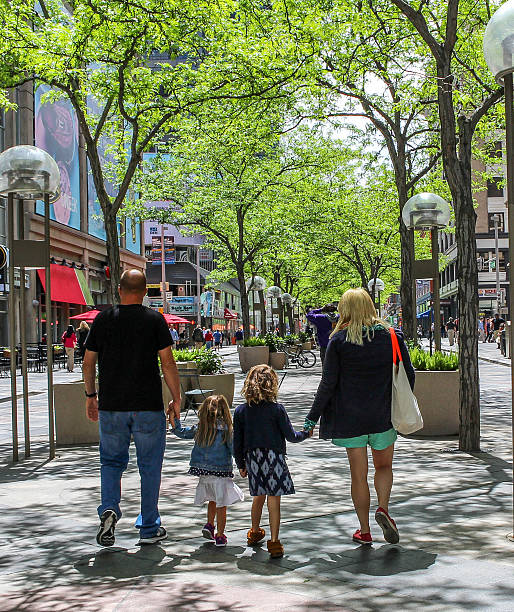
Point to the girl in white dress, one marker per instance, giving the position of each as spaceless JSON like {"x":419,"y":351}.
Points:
{"x":211,"y":461}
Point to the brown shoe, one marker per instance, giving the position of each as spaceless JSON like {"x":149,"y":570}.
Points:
{"x":254,"y":537}
{"x":275,"y":549}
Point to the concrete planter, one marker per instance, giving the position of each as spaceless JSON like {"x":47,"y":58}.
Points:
{"x":250,"y":356}
{"x":223,"y":384}
{"x":71,"y":423}
{"x":187,"y":372}
{"x":438,"y":397}
{"x":278,"y":360}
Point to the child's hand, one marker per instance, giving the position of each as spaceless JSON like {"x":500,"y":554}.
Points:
{"x":171,"y":421}
{"x":243,"y":473}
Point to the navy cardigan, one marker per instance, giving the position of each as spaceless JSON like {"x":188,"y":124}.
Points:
{"x":354,"y":395}
{"x":264,"y":425}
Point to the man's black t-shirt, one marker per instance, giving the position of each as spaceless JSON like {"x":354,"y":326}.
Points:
{"x":450,"y":325}
{"x":127,"y":340}
{"x":497,"y":322}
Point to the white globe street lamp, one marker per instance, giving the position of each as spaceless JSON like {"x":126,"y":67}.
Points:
{"x":28,"y":173}
{"x":378,"y":285}
{"x":428,"y":211}
{"x":257,"y":284}
{"x":499,"y":54}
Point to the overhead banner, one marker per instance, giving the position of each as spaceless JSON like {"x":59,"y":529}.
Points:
{"x":169,"y":250}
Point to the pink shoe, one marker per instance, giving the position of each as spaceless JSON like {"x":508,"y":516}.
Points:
{"x":221,"y":540}
{"x":208,"y":531}
{"x":389,"y":527}
{"x":362,"y":538}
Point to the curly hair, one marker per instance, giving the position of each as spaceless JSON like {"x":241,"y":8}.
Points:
{"x":261,"y":385}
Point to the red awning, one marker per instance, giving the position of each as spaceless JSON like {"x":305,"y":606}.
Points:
{"x":65,"y":285}
{"x":228,"y":314}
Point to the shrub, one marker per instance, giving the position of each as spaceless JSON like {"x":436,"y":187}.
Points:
{"x":291,"y":339}
{"x":274,"y":342}
{"x":208,"y":362}
{"x":255,"y":342}
{"x":185,"y":354}
{"x":303,"y":336}
{"x":438,"y":361}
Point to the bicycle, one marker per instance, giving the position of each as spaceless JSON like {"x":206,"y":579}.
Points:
{"x":299,"y":357}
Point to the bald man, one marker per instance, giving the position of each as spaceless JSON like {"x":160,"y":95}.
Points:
{"x":126,"y":340}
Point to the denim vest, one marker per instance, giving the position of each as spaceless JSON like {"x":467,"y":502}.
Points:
{"x":216,"y":458}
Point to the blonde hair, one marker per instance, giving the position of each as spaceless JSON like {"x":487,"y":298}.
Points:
{"x":83,"y":325}
{"x":261,"y":385}
{"x":357,"y":315}
{"x":213,"y":411}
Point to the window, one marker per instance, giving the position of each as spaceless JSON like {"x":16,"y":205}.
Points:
{"x":495,"y":150}
{"x":501,"y":221}
{"x":495,"y":187}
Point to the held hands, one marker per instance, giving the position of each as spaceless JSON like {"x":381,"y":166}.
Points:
{"x":173,"y":411}
{"x":243,"y":473}
{"x":92,"y":408}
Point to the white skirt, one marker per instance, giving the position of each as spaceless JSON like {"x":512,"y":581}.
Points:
{"x":223,"y":491}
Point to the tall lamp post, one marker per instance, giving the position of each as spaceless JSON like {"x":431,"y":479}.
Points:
{"x":258,"y":284}
{"x":428,"y":211}
{"x":496,"y":220}
{"x":287,"y":300}
{"x":499,"y":55}
{"x":376,"y":285}
{"x":28,"y":173}
{"x":275,"y":292}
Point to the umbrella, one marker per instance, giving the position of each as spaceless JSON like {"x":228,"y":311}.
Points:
{"x":88,"y":316}
{"x":175,"y":320}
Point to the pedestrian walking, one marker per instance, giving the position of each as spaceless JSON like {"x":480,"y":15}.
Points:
{"x":209,"y":339}
{"x":450,"y":330}
{"x":174,"y":336}
{"x":211,"y":462}
{"x":218,"y":339}
{"x":239,"y":337}
{"x":261,"y":428}
{"x":497,"y":324}
{"x":354,"y":403}
{"x":198,"y":337}
{"x":83,"y":331}
{"x":127,"y":340}
{"x":324,"y":319}
{"x":481,"y":330}
{"x":69,"y":339}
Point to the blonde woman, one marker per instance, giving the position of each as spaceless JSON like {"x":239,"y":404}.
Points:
{"x":354,"y":403}
{"x":83,"y":331}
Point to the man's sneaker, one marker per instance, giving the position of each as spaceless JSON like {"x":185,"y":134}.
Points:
{"x":389,"y":527}
{"x":221,"y":540}
{"x":208,"y":531}
{"x":362,"y":538}
{"x":105,"y":535}
{"x":160,"y":535}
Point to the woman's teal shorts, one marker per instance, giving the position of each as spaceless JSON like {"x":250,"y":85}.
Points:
{"x":377,"y":441}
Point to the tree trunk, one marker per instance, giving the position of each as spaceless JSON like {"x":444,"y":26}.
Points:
{"x":290,"y":318}
{"x":281,"y":324}
{"x":407,"y":283}
{"x":113,"y":256}
{"x":245,"y":305}
{"x":262,"y":306}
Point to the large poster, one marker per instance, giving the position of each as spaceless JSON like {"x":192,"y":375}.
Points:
{"x":56,"y":131}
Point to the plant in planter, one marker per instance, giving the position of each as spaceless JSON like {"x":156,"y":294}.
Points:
{"x":185,"y":355}
{"x":253,"y":352}
{"x":211,"y":375}
{"x":291,"y":339}
{"x":304,"y":338}
{"x":437,"y":390}
{"x":277,"y":357}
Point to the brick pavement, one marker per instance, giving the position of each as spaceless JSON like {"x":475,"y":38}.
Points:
{"x":453,"y":510}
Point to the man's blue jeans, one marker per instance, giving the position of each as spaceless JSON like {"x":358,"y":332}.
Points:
{"x":148,"y":429}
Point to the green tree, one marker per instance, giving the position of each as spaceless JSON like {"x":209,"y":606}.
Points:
{"x":147,"y":64}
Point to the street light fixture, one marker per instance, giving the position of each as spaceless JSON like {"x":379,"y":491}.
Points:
{"x":28,"y":173}
{"x":428,"y":211}
{"x":499,"y":54}
{"x":378,"y":285}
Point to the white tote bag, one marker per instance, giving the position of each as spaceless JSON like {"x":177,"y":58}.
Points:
{"x":405,"y":415}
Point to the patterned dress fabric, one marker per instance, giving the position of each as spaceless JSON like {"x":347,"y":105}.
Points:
{"x":268,"y":473}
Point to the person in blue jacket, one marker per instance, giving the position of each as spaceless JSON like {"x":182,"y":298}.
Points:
{"x":325,"y":320}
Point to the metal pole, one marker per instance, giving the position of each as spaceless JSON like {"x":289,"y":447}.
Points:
{"x":23,"y":338}
{"x":49,"y":349}
{"x":163,"y":273}
{"x":414,"y":294}
{"x":253,"y":310}
{"x":12,"y":326}
{"x":509,"y":125}
{"x":198,"y":289}
{"x":437,"y":303}
{"x":497,"y":263}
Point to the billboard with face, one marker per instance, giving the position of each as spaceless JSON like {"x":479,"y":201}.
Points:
{"x":56,"y":131}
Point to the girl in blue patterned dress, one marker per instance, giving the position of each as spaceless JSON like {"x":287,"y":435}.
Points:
{"x":261,"y":428}
{"x":211,"y":461}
